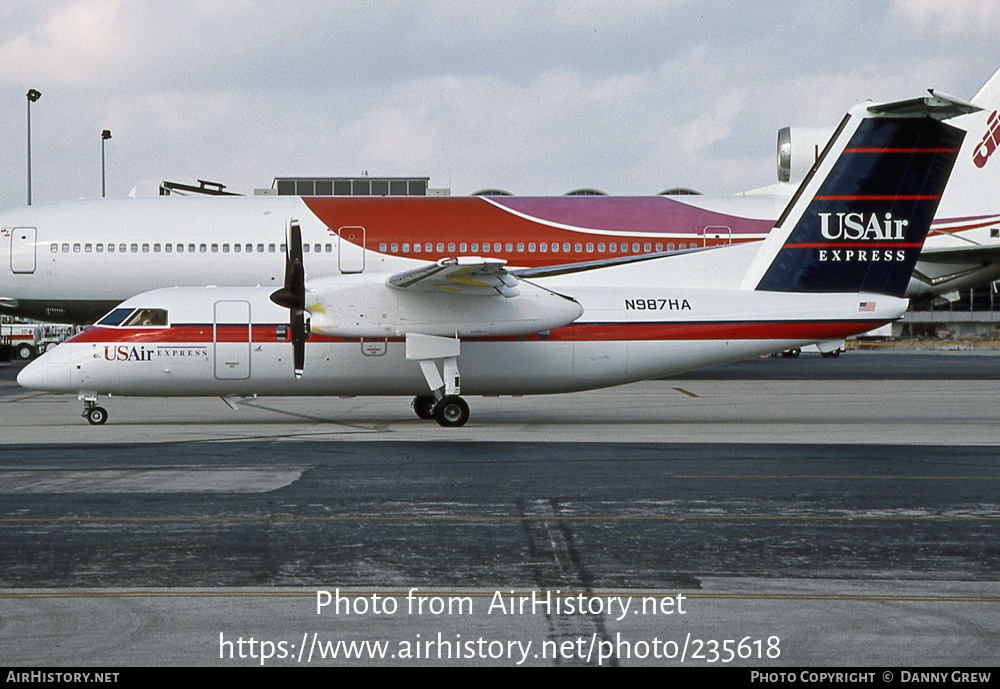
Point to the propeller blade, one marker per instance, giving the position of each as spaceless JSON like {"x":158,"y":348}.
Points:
{"x":300,"y":333}
{"x":292,"y":296}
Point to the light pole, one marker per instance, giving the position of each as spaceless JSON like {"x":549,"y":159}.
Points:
{"x":105,"y":135}
{"x":32,"y":96}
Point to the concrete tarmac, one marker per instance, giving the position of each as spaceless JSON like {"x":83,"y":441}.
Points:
{"x":770,"y":521}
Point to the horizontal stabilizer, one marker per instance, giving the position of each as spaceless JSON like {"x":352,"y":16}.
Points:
{"x":938,"y":105}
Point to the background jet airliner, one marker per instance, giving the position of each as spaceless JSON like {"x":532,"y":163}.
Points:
{"x":73,"y":261}
{"x":837,"y":264}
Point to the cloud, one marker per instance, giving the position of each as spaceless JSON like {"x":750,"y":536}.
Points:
{"x":536,"y":97}
{"x":950,"y":18}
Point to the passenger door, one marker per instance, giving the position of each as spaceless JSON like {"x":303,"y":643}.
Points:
{"x":22,"y":250}
{"x":231,"y":334}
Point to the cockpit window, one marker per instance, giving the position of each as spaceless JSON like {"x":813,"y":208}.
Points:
{"x":146,"y":317}
{"x":115,"y":317}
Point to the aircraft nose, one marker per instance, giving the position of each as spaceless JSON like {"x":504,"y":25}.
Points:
{"x":33,"y":375}
{"x":49,"y":372}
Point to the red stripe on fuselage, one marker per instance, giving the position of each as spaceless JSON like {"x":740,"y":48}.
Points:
{"x":855,"y":245}
{"x":901,"y":150}
{"x":880,"y":197}
{"x":580,"y":332}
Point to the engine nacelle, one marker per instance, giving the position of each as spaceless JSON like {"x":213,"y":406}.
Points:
{"x":380,"y":311}
{"x":795,"y":161}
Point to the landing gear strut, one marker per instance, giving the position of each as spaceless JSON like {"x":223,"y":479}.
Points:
{"x":444,"y":405}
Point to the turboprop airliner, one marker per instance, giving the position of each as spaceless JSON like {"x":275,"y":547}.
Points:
{"x":837,"y":263}
{"x":73,"y":261}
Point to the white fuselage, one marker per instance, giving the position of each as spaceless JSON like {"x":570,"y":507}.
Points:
{"x":230,"y":341}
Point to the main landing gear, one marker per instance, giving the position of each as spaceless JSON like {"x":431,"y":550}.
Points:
{"x":95,"y":415}
{"x":450,"y":411}
{"x":443,"y":405}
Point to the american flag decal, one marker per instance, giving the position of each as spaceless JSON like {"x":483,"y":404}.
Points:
{"x":866,"y":306}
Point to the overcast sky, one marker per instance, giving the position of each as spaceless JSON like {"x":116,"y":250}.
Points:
{"x":536,"y":97}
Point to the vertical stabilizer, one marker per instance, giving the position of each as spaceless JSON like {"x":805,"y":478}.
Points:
{"x":859,"y":219}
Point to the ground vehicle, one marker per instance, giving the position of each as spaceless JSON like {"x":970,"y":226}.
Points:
{"x":28,"y":340}
{"x":22,"y":338}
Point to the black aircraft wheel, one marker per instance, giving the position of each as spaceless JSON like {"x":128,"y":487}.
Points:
{"x":97,"y":416}
{"x":791,"y":353}
{"x":423,"y":405}
{"x":452,"y":411}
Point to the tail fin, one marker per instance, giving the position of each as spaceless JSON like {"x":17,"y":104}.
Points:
{"x":859,"y":219}
{"x":970,"y":201}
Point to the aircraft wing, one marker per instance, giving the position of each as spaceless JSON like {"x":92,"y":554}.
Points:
{"x":469,"y":275}
{"x":965,"y":254}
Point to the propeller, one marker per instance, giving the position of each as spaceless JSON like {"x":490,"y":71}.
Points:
{"x":292,"y":295}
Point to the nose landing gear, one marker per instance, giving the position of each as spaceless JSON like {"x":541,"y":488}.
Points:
{"x":95,"y":415}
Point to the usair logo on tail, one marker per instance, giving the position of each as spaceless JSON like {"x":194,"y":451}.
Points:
{"x":991,"y":139}
{"x":855,"y":226}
